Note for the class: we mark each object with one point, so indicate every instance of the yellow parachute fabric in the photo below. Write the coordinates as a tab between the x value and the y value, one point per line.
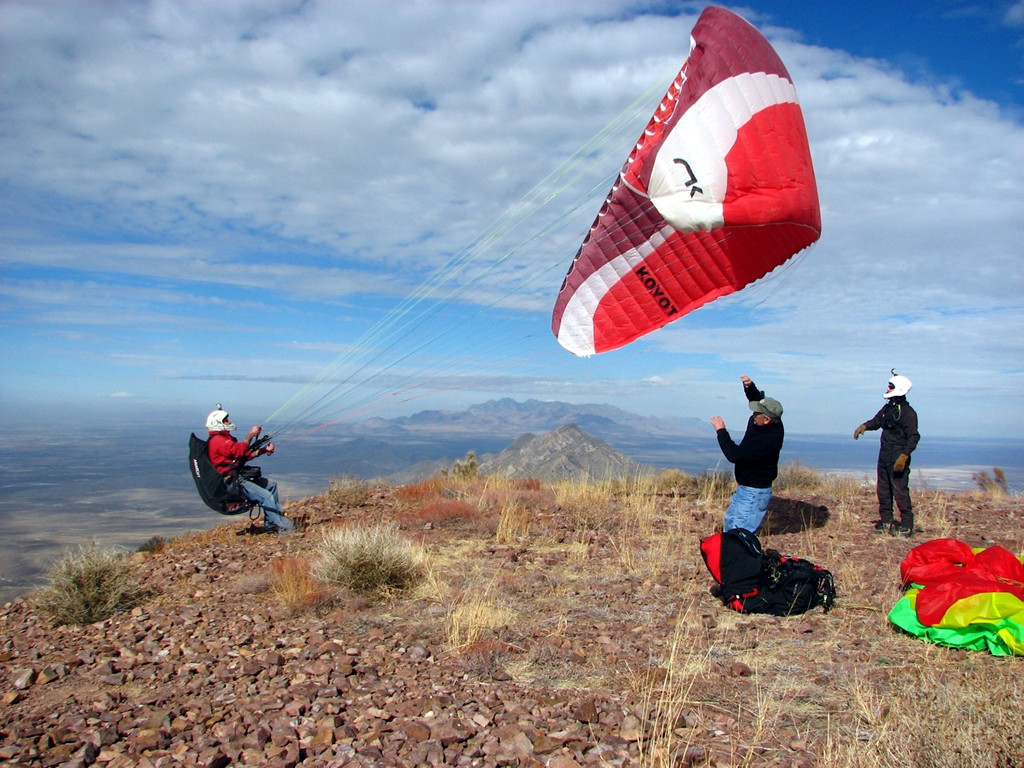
983	620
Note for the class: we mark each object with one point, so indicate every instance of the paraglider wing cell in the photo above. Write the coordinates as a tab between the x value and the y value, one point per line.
718	191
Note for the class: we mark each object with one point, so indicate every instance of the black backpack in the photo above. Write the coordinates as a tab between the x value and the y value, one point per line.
210	482
755	580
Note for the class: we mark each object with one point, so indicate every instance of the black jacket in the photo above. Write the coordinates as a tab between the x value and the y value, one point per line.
757	456
898	422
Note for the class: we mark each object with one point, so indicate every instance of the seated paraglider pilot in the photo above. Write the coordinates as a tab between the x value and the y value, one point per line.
229	457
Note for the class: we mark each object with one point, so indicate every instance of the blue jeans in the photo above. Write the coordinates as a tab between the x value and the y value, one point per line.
747	508
267	498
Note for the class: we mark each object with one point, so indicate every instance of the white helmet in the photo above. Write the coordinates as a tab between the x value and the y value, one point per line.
218	421
898	386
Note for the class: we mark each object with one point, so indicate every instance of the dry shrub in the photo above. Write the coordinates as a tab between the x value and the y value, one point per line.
154	545
495	497
493	500
421	490
494	490
293	584
529	484
506	484
994	484
672	481
536	500
347	491
373	560
463	469
794	476
462	486
443	511
90	586
586	505
487	658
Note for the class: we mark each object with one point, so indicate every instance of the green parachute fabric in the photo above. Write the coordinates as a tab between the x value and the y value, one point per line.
962	597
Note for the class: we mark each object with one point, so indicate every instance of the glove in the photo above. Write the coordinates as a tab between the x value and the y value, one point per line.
901	463
859	431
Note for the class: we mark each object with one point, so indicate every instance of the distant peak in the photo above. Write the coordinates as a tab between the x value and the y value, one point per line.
570	428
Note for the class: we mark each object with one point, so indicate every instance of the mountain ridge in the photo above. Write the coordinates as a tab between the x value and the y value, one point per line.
408	448
509	417
566	453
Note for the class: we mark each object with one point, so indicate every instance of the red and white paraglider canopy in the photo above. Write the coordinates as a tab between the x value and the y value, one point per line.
718	191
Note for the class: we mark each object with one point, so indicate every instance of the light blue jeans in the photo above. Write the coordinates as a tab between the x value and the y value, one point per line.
267	498
747	508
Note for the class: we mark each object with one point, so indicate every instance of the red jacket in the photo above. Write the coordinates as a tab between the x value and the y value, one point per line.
226	453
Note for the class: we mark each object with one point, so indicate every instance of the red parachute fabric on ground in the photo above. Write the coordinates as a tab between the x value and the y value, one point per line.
934	560
950	571
718	191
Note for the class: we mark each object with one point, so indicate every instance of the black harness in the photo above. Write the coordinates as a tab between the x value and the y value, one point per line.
219	492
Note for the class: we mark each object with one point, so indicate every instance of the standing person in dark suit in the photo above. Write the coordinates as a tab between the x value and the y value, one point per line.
898	422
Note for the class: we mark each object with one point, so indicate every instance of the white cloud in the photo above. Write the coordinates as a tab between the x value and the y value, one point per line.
1014	15
281	176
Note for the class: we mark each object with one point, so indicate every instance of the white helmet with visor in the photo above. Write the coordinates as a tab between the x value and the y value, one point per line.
898	386
218	421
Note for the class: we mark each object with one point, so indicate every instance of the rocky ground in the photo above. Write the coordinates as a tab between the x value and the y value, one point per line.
608	650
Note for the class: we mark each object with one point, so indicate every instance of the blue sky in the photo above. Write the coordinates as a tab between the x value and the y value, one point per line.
341	210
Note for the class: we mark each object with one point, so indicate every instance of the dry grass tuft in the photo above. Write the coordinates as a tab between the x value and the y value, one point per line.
513	524
973	719
994	484
797	476
430	487
672	482
495	496
442	511
90	586
932	511
638	501
587	505
666	693
373	560
472	621
293	585
529	484
347	491
714	488
222	534
154	545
